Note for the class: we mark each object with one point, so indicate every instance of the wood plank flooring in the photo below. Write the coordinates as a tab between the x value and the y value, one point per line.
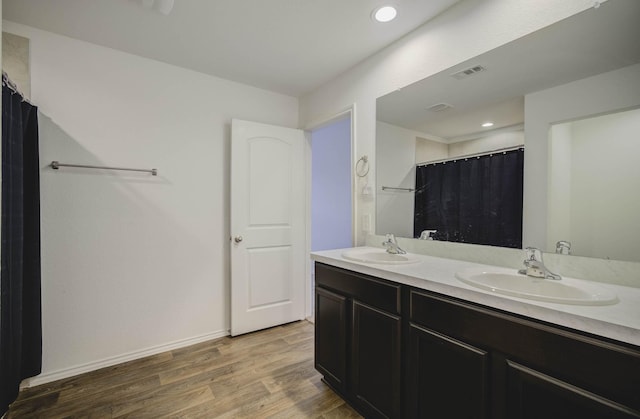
266	374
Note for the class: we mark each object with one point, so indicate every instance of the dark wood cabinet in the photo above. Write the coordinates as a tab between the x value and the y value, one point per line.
532	394
446	378
523	368
331	337
368	311
395	351
376	361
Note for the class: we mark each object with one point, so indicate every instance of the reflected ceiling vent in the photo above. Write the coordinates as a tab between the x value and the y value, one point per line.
439	107
471	71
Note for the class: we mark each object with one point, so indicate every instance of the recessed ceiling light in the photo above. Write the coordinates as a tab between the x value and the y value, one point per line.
487	124
385	14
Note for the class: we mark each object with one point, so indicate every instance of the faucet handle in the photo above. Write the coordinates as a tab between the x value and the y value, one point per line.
563	247
533	254
390	238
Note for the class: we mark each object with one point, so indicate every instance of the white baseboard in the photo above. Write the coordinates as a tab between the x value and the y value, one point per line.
48	377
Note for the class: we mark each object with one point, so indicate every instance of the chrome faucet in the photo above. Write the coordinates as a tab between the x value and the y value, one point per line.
391	244
563	247
535	267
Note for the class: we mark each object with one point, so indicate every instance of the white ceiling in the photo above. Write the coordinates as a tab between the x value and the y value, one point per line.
287	46
589	43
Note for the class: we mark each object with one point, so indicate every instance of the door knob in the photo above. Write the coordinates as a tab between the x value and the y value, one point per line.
238	239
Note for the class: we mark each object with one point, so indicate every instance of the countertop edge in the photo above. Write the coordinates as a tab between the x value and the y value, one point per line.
517	306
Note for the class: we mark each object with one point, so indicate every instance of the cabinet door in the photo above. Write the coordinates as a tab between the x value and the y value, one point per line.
331	337
597	366
376	363
532	394
446	378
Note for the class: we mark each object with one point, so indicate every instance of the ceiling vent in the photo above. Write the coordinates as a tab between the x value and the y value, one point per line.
439	107
471	71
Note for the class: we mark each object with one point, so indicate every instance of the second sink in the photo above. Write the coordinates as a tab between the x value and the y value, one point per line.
565	291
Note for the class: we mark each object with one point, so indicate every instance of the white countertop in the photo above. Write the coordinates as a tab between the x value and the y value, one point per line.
620	321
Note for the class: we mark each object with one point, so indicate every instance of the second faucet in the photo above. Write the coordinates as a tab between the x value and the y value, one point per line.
391	244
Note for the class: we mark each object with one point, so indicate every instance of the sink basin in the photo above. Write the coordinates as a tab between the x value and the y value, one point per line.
371	255
510	282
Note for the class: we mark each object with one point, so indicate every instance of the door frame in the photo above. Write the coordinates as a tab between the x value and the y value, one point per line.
349	111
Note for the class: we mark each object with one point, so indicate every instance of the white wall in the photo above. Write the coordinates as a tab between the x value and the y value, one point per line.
429	150
606	180
488	142
597	95
133	264
396	155
559	185
15	61
331	186
470	28
602	203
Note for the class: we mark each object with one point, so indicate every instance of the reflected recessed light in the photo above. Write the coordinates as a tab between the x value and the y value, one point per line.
385	14
487	124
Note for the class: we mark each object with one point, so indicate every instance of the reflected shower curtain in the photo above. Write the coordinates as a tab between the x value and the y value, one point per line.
20	304
476	200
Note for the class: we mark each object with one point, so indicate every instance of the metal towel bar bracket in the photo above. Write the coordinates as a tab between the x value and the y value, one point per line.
56	165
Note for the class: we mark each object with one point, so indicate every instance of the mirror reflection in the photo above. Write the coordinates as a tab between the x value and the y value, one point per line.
583	67
594	194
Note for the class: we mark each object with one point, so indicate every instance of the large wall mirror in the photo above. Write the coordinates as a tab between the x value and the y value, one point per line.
568	95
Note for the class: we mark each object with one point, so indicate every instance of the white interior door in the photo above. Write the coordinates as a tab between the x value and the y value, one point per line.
267	226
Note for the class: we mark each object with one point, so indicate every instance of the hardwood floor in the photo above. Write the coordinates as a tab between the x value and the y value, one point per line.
266	374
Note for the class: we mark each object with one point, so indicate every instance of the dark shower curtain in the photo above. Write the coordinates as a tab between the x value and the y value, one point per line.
476	200
20	309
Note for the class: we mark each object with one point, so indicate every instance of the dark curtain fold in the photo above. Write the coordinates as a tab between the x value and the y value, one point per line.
475	200
20	304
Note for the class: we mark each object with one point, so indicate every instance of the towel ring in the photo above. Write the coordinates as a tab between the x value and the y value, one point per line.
362	170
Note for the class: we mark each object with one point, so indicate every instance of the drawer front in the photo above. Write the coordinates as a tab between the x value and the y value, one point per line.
602	367
531	394
378	293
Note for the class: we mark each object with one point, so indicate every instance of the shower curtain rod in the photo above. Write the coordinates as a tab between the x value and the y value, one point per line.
56	165
470	156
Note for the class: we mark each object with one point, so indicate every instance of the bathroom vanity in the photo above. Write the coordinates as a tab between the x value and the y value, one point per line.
412	341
